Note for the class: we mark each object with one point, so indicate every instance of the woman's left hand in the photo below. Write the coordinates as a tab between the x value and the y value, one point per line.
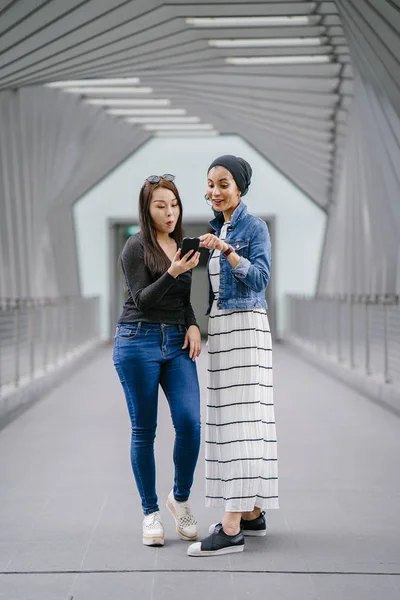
212	242
193	340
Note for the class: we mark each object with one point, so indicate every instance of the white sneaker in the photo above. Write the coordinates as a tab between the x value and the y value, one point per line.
153	530
184	520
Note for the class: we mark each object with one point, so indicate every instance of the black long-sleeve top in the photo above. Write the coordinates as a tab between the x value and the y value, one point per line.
163	300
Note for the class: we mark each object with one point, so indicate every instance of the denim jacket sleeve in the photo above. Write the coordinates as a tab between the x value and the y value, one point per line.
255	271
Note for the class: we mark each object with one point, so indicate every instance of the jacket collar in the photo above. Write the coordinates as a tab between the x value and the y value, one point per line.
239	212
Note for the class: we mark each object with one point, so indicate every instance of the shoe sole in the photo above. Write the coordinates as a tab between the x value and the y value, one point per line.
153	540
184	537
229	550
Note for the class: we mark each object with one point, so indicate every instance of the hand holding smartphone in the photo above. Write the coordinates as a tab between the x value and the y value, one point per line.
190	245
186	258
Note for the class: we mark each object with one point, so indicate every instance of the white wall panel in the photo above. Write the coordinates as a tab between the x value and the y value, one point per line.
52	150
362	249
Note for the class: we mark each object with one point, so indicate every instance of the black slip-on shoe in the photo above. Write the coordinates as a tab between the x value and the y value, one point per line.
256	527
217	543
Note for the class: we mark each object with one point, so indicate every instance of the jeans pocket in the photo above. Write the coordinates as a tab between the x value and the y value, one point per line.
129	331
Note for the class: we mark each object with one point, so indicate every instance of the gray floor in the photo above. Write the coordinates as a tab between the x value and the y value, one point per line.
70	521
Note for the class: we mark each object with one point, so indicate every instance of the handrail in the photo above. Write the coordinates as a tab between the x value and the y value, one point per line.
360	331
38	335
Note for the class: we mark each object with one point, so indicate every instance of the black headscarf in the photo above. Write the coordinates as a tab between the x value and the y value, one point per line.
239	168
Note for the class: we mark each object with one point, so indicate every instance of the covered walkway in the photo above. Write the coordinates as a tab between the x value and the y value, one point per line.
311	87
70	519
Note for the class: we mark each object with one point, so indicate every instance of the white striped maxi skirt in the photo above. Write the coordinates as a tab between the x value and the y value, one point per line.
240	446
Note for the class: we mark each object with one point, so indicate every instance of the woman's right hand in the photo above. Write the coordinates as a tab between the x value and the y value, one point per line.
186	263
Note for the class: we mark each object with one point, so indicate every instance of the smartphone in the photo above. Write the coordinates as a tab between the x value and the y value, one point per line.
189	244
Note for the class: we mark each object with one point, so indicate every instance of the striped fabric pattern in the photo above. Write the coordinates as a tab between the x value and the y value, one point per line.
241	445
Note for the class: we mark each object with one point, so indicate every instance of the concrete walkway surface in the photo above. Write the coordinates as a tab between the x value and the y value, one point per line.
70	519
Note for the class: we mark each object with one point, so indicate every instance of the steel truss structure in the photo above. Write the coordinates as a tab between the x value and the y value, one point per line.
313	86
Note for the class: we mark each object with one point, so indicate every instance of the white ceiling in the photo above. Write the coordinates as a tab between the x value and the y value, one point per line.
294	114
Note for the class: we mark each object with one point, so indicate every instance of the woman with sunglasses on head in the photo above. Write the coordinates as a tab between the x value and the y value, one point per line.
156	343
241	455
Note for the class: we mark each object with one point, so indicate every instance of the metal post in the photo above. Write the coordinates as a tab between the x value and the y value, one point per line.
57	317
31	312
54	333
386	367
367	339
63	312
17	342
339	331
66	327
327	325
44	333
351	328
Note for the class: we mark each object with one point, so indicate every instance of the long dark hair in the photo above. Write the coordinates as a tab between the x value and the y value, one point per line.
155	258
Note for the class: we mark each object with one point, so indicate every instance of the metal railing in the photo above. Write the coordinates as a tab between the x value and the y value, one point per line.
361	332
38	335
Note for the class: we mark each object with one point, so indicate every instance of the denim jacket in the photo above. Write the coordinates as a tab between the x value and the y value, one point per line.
244	286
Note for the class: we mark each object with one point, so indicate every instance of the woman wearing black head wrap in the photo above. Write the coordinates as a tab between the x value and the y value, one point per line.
241	453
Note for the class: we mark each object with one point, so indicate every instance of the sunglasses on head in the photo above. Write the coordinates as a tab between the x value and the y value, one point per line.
157	178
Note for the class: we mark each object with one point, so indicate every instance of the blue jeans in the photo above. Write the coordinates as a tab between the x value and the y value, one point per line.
147	355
